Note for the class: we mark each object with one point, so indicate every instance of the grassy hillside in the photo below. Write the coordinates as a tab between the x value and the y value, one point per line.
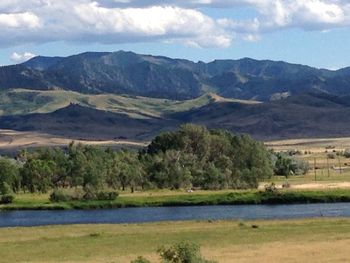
311	114
20	102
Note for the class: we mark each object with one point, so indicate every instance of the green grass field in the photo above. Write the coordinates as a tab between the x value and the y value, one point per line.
177	198
312	240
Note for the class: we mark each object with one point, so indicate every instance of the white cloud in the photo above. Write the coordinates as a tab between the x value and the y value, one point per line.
21	57
183	21
87	21
171	23
20	20
307	14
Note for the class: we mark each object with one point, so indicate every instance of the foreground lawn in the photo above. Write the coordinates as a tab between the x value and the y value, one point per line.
312	240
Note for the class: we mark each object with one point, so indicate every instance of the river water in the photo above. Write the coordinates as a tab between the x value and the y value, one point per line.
156	214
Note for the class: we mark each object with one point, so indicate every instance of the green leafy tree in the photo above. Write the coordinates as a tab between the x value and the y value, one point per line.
10	179
286	165
209	159
127	170
37	175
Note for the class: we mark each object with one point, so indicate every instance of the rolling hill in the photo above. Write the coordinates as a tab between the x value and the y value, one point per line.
311	114
78	122
22	102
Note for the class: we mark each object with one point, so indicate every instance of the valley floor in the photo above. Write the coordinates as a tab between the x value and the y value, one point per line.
310	240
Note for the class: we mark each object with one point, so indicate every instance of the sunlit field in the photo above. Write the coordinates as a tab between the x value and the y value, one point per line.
328	168
316	240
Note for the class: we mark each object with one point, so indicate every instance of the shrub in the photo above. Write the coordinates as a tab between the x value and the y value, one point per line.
347	153
90	193
6	199
101	196
60	196
94	235
270	188
299	167
107	196
5	188
289	165
77	194
331	156
141	260
182	253
294	152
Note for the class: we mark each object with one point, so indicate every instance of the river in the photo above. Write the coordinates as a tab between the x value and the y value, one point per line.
156	214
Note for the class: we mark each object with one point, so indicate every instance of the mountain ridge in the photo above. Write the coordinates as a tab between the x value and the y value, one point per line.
108	95
177	79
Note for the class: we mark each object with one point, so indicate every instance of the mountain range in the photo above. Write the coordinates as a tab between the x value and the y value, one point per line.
178	79
125	95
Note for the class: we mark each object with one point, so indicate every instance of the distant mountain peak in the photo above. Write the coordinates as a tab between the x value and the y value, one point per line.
42	63
125	72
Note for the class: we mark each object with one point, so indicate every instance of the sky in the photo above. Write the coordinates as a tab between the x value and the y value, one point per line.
311	32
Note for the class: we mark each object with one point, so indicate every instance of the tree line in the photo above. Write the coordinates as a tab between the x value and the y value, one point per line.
191	157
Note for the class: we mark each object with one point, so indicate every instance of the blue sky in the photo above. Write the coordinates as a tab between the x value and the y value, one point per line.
312	32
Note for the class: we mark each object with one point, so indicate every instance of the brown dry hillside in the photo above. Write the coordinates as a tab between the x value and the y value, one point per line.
311	114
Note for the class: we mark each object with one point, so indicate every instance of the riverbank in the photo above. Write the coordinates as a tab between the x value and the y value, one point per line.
309	240
151	199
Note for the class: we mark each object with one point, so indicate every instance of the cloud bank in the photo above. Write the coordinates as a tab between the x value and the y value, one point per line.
180	21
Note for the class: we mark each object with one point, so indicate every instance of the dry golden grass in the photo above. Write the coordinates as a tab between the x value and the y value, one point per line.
311	240
300	251
316	151
315	145
10	139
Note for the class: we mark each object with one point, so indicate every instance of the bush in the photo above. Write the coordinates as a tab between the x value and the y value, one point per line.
60	196
289	165
6	199
107	196
101	196
182	253
299	167
5	188
294	152
141	260
331	156
270	188
347	153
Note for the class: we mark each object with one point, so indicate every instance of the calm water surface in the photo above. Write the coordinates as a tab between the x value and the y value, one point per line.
156	214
